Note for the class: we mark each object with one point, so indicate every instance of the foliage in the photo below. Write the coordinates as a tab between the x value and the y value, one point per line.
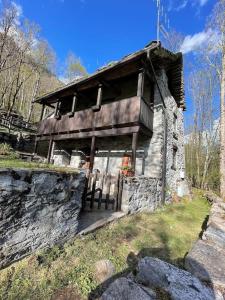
26	63
168	234
7	151
12	161
74	68
195	167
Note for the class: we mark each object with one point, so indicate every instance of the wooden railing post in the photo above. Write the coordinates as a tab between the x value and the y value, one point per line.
49	150
134	149
99	98
92	155
74	104
42	112
140	88
35	146
57	109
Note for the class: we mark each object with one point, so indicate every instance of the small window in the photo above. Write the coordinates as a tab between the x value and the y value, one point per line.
174	122
174	165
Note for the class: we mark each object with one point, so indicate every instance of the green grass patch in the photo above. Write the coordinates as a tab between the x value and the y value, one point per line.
8	162
169	233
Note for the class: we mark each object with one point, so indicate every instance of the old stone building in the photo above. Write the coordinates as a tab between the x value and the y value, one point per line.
126	116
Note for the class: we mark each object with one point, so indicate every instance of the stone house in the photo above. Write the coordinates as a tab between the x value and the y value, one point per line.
129	115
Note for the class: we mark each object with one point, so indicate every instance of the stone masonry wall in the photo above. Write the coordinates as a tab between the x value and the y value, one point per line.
175	137
141	193
38	208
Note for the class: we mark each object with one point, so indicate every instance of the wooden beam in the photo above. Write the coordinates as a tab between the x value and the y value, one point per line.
92	155
99	98
49	150
74	104
35	146
140	88
57	109
42	112
88	134
134	148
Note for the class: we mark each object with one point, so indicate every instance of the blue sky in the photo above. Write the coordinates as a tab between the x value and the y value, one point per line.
99	31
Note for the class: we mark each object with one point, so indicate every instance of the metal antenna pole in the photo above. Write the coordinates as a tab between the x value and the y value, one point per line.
158	18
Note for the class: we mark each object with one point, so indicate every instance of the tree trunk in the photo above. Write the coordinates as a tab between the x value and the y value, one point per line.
222	129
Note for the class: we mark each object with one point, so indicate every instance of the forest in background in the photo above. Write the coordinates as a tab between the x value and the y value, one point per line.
205	84
28	64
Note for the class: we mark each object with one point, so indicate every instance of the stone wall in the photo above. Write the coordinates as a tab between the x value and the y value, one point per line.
206	260
174	136
141	193
38	208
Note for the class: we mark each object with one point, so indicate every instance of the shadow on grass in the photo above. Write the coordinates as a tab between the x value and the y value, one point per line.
163	253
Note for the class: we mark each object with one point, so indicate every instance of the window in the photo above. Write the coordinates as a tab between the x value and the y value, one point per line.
174	165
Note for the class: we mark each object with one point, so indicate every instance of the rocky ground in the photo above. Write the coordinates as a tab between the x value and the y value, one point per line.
205	264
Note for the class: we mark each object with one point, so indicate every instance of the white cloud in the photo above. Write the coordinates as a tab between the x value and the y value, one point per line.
203	2
178	5
182	5
194	42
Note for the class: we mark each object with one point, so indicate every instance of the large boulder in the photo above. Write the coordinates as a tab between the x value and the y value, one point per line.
207	262
180	284
38	209
126	289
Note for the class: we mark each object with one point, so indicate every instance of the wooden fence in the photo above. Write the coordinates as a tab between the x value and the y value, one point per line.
103	191
16	123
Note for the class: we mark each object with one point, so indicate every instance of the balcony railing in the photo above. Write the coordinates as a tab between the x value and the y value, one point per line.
124	113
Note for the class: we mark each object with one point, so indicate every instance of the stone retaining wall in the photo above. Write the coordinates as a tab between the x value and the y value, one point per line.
206	260
141	193
38	208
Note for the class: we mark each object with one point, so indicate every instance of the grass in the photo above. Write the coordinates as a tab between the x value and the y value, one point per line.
8	162
169	233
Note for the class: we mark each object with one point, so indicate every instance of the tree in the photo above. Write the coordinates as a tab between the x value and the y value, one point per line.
27	64
172	39
203	138
215	56
74	68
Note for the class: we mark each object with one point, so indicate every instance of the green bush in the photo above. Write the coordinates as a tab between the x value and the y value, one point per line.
5	149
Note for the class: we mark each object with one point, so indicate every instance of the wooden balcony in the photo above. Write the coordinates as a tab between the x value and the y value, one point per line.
116	116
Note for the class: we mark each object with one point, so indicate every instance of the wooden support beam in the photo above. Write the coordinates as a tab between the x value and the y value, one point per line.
57	110
49	150
35	146
42	112
92	155
140	88
99	98
74	104
134	149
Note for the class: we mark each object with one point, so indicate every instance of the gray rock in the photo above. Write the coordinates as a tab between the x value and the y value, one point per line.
141	194
126	289
207	262
38	209
215	232
179	284
104	269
